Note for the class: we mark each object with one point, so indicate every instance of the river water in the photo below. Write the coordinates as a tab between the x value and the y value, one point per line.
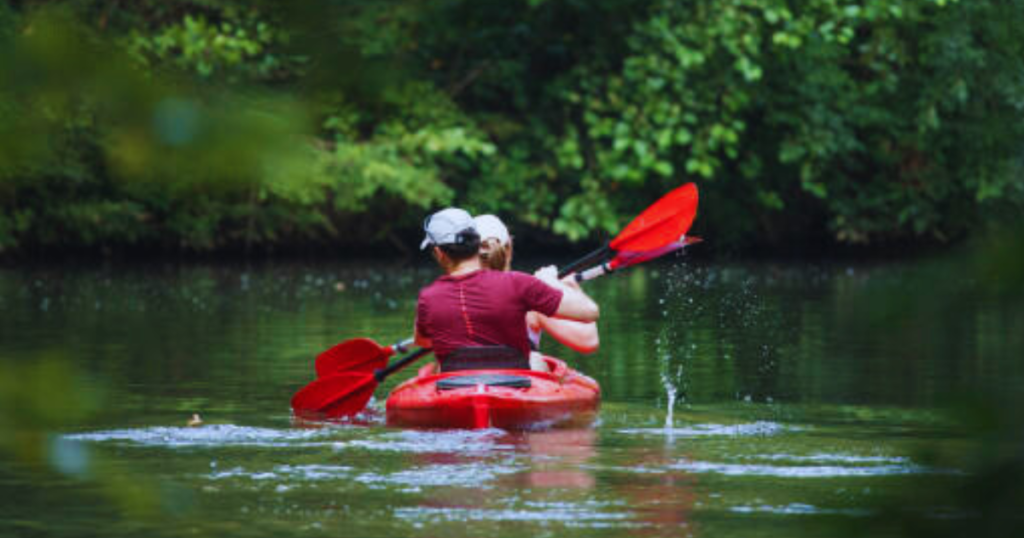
738	400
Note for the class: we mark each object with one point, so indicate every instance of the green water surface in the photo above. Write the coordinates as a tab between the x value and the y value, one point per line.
806	400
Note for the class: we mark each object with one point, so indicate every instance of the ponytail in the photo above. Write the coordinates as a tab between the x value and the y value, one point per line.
494	255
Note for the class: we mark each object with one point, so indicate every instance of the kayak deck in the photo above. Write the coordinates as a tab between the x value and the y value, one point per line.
510	399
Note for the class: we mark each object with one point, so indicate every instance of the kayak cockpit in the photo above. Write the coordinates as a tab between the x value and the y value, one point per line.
511	399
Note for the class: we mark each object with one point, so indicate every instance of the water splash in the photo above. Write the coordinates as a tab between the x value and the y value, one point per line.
678	309
670	391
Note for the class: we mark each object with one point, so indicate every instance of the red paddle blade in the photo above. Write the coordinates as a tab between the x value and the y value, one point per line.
335	396
355	355
628	258
663	223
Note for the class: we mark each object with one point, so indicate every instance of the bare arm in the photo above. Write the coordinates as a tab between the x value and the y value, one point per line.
575	304
579	335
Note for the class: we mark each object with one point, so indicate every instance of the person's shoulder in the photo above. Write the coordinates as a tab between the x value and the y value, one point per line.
433	288
519	275
493	275
502	280
525	281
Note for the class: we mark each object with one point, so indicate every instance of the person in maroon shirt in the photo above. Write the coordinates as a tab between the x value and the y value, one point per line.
473	306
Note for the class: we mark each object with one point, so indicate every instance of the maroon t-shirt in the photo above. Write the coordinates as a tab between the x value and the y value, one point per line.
482	308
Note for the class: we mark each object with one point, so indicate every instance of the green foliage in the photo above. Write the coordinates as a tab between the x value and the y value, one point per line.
240	47
204	125
839	107
157	160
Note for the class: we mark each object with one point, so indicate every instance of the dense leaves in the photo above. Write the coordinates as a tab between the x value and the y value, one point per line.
202	125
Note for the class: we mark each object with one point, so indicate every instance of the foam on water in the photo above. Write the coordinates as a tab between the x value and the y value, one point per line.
761	428
796	471
469	475
307	473
827	458
575	515
798	509
210	436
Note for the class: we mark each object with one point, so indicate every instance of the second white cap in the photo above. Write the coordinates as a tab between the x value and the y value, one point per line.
489	226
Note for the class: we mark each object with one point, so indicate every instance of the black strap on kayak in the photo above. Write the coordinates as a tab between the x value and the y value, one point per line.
491	380
485	358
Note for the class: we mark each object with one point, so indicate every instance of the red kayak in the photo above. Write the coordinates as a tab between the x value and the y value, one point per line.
510	399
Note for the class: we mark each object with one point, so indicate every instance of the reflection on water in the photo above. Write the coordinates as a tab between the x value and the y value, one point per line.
731	394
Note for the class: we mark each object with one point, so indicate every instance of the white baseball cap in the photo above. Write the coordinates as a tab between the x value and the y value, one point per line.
443	227
490	226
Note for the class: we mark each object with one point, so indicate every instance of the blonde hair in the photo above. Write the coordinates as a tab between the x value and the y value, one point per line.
494	255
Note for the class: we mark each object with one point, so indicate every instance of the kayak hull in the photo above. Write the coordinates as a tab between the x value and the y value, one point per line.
559	399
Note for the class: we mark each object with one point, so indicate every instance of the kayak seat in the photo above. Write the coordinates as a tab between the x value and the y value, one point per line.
491	380
485	358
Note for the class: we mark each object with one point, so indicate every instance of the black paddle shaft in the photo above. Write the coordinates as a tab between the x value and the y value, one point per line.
586	261
382	373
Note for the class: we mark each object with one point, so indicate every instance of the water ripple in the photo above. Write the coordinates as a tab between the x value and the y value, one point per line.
798	509
827	458
209	436
470	475
574	516
287	472
760	428
802	471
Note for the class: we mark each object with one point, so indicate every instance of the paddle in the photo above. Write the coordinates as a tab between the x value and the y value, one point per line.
628	258
346	393
663	225
359	355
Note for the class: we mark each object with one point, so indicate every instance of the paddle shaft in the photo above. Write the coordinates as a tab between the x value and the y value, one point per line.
593	272
402	347
585	261
383	373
